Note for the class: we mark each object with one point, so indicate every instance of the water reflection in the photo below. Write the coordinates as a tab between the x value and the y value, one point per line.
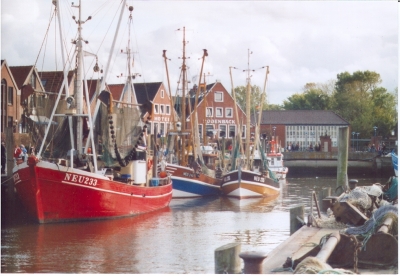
178	239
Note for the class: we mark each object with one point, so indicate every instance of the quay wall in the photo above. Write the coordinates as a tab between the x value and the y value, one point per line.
325	164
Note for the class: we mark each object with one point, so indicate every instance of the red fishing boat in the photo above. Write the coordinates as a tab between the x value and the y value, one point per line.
65	180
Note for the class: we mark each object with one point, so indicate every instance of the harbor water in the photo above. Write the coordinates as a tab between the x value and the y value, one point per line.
179	239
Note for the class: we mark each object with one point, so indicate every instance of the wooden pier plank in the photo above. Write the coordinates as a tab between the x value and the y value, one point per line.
297	245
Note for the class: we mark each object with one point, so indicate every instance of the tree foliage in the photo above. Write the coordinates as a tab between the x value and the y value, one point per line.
255	98
356	97
360	101
312	98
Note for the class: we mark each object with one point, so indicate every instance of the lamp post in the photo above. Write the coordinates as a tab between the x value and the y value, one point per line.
375	128
353	139
357	140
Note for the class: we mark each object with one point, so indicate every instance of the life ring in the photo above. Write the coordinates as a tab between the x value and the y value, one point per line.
149	164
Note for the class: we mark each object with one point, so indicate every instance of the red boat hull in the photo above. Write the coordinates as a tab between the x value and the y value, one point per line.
53	193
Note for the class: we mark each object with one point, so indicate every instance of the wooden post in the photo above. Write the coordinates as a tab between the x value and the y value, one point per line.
295	213
227	259
343	152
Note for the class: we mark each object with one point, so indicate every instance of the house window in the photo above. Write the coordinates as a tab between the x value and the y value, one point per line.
155	128
162	93
156	109
232	131
209	130
161	109
222	128
10	98
229	112
201	131
218	97
167	110
10	121
218	112
243	131
209	112
162	130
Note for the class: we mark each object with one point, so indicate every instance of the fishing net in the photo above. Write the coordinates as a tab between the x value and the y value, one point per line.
37	118
376	220
357	197
119	133
392	193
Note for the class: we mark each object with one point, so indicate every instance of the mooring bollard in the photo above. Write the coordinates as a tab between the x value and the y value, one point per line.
296	218
227	259
252	261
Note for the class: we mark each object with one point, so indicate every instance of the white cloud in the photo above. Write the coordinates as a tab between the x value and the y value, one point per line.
301	41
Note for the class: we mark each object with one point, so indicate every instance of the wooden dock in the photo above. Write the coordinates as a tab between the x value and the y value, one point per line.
300	243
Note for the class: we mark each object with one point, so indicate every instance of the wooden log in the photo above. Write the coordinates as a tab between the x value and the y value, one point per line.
252	262
328	247
317	205
296	211
227	259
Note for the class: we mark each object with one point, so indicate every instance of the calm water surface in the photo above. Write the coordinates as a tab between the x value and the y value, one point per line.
178	239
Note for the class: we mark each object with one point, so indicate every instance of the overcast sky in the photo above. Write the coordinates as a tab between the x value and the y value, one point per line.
301	42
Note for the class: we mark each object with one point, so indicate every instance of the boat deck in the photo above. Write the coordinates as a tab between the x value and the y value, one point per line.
301	242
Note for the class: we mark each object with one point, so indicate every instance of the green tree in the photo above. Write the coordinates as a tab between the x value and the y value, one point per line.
255	98
312	98
360	101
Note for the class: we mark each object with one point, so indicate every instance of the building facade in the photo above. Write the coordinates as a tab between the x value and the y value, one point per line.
302	128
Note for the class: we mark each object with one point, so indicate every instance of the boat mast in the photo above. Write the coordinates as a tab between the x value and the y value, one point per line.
248	103
183	156
79	80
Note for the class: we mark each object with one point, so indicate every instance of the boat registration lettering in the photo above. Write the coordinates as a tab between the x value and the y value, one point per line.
80	179
188	174
259	179
227	178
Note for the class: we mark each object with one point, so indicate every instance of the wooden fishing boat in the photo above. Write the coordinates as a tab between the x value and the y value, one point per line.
249	175
80	174
189	178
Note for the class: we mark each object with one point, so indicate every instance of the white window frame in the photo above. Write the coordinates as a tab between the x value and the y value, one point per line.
227	113
161	109
219	109
211	111
216	96
234	126
243	131
167	109
212	125
156	111
162	93
219	127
